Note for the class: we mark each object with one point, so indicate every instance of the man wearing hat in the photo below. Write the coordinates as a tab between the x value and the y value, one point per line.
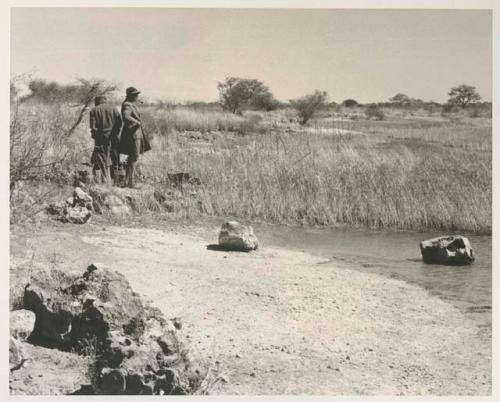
105	126
132	142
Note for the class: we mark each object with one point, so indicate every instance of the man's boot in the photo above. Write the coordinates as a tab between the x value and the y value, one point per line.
130	174
114	175
105	175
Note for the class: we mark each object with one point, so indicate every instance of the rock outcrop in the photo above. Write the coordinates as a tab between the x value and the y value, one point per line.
98	314
120	201
447	250
81	199
124	201
76	214
76	209
115	205
235	236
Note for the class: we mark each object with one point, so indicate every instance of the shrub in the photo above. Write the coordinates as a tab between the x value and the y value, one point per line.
449	108
80	95
251	124
51	92
239	94
400	100
431	107
38	148
474	112
374	112
349	103
308	105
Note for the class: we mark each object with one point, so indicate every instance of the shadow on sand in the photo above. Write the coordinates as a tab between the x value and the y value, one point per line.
218	247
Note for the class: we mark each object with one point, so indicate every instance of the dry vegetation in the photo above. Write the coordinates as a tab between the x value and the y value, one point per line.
414	172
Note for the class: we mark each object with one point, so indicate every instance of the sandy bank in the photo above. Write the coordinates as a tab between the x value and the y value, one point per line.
282	322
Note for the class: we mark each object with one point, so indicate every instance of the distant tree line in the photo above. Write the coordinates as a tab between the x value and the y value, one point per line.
239	94
53	92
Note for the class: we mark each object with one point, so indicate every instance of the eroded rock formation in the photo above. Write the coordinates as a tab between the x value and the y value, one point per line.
135	349
76	209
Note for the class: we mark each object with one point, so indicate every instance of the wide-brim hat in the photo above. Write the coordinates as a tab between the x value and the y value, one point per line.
132	91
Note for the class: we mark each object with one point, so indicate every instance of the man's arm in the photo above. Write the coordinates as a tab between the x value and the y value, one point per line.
118	123
127	116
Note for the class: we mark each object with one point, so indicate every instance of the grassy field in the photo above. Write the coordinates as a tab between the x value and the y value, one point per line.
406	172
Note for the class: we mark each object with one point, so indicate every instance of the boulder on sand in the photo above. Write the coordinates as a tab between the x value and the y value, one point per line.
447	250
17	353
22	323
235	236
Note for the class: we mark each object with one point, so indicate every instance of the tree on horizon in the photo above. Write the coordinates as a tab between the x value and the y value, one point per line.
463	95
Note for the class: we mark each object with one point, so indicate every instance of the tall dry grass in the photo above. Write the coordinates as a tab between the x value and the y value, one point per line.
183	119
408	174
40	146
413	176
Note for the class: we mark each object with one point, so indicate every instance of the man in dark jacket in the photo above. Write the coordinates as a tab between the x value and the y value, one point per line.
132	141
105	126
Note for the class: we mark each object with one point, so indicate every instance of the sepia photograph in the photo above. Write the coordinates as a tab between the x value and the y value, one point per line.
211	201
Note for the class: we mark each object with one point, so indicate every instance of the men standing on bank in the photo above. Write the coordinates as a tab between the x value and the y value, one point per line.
133	141
105	126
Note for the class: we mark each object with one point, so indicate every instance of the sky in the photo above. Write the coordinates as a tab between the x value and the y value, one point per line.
181	54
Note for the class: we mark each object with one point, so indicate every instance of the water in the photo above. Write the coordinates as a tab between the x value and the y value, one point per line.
396	255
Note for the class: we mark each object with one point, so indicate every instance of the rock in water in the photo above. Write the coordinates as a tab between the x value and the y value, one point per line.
235	236
447	250
22	323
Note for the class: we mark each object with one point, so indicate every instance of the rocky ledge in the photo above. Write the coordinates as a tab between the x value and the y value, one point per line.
130	347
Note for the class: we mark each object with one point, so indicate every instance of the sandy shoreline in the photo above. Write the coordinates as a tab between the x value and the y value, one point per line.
277	321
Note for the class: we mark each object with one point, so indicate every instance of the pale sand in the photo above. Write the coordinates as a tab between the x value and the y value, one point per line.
276	321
